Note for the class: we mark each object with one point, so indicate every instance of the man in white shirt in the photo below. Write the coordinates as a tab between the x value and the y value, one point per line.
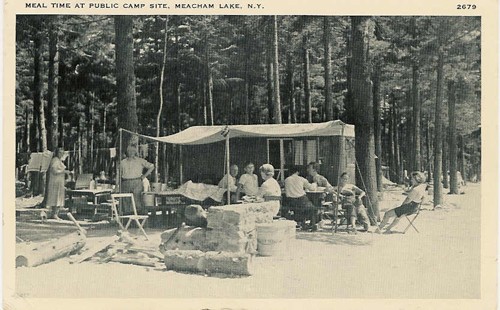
297	201
231	179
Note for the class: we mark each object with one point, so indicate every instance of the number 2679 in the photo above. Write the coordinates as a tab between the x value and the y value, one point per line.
466	6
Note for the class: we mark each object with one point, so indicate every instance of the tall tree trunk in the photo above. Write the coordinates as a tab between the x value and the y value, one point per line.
462	158
158	116
438	132
390	141
270	85
452	138
408	135
38	106
246	97
211	97
177	94
205	90
90	133
428	150
307	83
26	134
395	137
377	126
328	68
416	104
53	81
349	105
289	87
276	75
209	83
445	166
364	132
417	110
125	75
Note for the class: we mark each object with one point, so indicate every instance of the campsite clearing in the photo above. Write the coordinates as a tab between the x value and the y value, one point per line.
443	261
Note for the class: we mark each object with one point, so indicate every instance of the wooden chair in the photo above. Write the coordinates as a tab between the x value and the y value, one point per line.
415	215
140	220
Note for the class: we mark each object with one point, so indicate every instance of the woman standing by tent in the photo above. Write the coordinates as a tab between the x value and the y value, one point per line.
55	191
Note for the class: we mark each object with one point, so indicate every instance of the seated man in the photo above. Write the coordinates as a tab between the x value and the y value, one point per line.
351	201
297	200
409	205
229	180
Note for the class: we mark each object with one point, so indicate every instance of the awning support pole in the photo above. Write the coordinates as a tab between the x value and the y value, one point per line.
339	172
118	174
181	168
227	170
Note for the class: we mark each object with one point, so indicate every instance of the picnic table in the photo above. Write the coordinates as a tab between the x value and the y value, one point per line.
170	204
94	198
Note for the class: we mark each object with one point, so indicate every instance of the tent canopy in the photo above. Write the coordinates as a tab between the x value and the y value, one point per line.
210	134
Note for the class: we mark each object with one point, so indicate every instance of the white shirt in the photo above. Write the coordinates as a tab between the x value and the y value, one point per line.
232	183
295	186
270	187
417	193
249	184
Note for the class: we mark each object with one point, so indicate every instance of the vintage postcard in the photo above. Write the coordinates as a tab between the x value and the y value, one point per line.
233	154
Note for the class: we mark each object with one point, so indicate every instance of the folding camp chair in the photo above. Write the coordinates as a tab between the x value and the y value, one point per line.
140	220
415	215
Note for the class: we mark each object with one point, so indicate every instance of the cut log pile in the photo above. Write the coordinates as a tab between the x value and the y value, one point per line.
225	246
209	262
35	254
129	250
229	229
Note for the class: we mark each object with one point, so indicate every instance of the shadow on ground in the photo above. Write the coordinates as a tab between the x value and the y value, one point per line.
339	238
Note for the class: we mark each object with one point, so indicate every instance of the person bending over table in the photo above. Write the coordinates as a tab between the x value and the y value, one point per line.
131	171
351	201
409	205
248	182
315	177
231	179
270	188
297	201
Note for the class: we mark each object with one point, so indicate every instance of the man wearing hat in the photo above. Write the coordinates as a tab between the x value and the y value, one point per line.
132	174
410	205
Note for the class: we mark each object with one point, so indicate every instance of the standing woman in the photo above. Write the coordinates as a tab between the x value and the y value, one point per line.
56	192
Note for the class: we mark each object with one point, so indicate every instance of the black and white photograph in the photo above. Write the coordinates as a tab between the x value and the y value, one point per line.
248	156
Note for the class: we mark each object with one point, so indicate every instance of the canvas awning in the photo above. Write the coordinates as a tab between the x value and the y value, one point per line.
210	134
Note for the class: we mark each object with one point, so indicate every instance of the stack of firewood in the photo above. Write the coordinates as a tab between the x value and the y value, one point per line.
225	246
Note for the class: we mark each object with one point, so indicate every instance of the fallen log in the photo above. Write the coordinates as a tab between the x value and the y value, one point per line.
32	255
147	251
184	260
133	259
94	249
208	262
228	263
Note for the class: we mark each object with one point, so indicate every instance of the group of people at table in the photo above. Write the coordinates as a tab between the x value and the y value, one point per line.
134	170
296	188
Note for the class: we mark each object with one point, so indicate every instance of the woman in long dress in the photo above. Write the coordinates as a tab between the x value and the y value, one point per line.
55	184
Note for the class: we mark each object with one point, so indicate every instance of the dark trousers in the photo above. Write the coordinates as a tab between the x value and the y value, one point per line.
303	209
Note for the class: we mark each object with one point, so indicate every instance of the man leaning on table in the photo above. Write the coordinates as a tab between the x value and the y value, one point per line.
297	201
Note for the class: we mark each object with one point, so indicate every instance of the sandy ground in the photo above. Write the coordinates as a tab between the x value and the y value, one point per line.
442	261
